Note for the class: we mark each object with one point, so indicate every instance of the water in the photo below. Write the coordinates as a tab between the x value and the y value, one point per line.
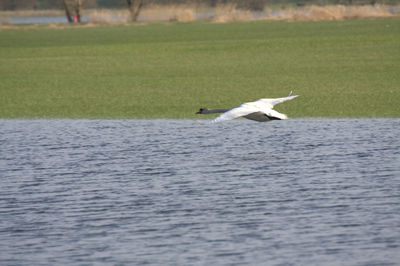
199	15
38	19
184	192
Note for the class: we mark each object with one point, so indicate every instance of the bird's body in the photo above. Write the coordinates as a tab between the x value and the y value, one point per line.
260	110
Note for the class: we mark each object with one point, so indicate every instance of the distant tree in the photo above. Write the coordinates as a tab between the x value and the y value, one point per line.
111	3
49	4
134	8
67	11
256	5
78	7
18	4
73	10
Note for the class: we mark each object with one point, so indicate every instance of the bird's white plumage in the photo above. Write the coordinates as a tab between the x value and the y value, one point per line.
259	108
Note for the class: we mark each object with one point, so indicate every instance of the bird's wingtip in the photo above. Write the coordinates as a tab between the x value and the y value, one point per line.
291	93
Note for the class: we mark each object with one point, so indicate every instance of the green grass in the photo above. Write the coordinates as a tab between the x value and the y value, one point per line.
168	70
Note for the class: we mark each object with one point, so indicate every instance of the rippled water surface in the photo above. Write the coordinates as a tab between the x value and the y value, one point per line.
185	192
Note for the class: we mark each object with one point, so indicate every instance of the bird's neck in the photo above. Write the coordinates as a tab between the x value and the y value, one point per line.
212	111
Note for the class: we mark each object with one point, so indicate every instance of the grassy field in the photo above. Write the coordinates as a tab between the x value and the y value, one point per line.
168	70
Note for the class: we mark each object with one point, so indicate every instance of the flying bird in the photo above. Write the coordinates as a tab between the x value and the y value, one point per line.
260	110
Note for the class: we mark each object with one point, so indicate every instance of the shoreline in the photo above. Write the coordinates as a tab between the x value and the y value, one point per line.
219	14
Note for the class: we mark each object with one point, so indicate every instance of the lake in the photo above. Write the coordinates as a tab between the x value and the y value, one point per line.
187	192
157	14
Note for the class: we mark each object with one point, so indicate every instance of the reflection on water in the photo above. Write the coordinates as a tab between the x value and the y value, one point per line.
181	192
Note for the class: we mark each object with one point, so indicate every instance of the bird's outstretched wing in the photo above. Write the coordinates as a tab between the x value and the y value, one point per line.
241	110
274	101
281	100
264	106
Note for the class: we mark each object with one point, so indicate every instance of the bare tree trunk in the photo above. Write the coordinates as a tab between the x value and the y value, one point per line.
134	8
67	11
78	7
73	10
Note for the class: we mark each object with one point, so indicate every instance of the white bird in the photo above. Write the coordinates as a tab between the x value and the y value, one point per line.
260	110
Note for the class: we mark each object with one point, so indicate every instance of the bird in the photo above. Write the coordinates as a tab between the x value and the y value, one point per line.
260	110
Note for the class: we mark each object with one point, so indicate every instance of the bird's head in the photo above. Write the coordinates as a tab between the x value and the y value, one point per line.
202	110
